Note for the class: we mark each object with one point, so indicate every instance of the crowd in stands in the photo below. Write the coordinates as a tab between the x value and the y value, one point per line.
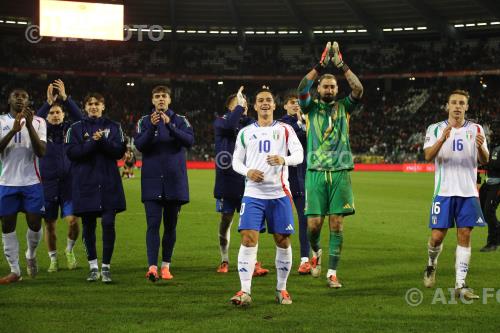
390	122
256	58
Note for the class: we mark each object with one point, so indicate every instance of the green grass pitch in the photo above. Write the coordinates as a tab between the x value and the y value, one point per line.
384	255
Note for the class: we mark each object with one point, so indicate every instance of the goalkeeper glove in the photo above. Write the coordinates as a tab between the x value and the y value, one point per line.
337	58
325	59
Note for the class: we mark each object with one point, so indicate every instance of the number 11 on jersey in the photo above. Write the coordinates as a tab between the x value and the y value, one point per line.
17	137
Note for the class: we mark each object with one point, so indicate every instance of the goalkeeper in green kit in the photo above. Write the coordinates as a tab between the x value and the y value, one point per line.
329	158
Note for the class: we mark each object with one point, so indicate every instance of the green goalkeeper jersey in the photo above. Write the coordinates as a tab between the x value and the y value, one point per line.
328	147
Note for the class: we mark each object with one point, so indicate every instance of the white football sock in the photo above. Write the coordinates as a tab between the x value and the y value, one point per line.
53	255
331	272
283	266
304	259
433	252
165	264
11	250
462	260
93	264
70	244
224	249
247	256
33	239
108	266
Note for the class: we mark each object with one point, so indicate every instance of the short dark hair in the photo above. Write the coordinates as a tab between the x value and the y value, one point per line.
290	96
266	90
57	104
326	76
459	92
99	97
19	89
229	99
163	89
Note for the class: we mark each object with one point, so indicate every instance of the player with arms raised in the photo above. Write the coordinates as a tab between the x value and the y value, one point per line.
329	158
456	145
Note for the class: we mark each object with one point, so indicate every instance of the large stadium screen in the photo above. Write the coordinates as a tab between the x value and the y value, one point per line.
81	20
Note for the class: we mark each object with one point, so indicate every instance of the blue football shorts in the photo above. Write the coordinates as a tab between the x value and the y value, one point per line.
462	212
278	213
15	199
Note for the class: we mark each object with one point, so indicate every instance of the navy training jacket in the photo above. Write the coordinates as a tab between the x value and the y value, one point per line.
96	185
55	167
228	183
163	147
297	174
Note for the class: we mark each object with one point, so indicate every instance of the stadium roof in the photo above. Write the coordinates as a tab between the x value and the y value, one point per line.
301	15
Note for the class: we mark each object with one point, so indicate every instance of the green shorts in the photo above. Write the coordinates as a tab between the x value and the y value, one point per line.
329	193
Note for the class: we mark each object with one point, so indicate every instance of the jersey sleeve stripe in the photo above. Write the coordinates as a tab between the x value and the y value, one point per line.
36	170
139	123
283	186
68	135
122	136
242	139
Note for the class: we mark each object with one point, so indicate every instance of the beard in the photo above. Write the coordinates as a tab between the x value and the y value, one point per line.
328	98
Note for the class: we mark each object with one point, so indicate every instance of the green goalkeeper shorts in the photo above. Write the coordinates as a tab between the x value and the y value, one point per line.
329	193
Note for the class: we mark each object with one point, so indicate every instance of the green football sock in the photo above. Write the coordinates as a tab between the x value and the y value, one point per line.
336	239
314	239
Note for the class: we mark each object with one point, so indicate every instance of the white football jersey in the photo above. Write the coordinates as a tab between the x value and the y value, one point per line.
456	162
254	144
19	162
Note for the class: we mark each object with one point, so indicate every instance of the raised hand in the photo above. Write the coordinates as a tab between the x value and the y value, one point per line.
19	122
97	135
241	99
325	56
446	133
28	116
165	118
51	98
337	56
479	140
155	118
59	85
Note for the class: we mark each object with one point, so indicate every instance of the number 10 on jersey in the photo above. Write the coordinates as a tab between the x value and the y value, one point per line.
264	146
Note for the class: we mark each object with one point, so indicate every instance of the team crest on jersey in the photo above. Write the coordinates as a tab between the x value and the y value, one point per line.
468	135
6	128
86	135
276	135
106	132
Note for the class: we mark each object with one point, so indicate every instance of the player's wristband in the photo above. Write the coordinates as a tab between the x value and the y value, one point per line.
319	68
344	67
